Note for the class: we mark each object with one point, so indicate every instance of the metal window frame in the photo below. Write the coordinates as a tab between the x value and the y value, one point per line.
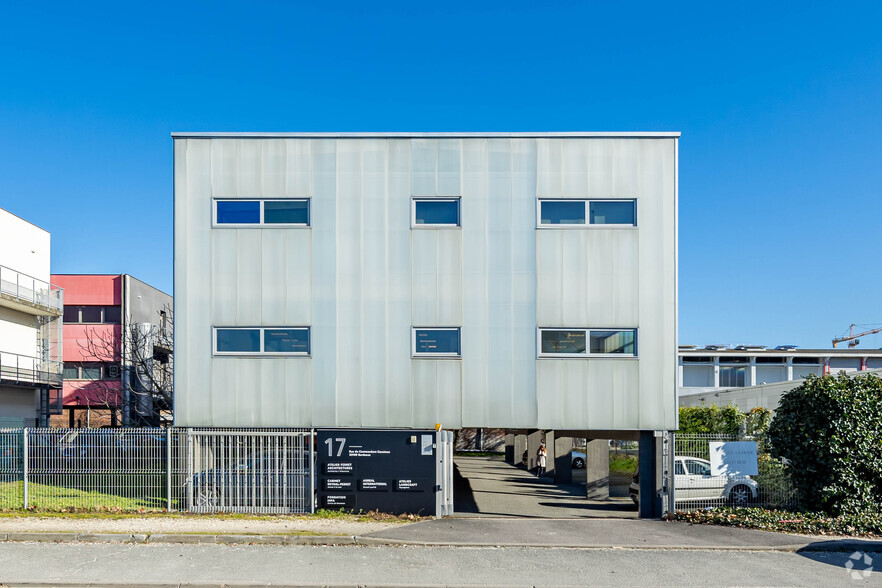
588	330
438	354
261	352
587	224
262	224
455	199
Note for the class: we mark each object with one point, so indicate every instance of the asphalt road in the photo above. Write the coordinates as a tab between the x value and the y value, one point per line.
121	564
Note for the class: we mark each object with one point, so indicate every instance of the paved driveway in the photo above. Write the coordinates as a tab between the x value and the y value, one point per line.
489	487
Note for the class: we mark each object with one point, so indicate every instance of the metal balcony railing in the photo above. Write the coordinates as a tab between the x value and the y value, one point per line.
24	370
26	289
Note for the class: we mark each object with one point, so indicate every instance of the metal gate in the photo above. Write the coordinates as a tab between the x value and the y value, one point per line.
247	471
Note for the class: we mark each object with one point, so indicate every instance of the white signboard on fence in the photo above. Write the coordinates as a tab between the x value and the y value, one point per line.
733	458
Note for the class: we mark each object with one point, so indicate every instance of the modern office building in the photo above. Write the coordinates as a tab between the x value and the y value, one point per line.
117	352
489	280
754	375
30	326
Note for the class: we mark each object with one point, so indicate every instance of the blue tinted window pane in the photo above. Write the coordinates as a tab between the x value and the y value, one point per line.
286	212
238	340
563	342
613	342
436	213
437	341
238	212
286	340
612	213
563	213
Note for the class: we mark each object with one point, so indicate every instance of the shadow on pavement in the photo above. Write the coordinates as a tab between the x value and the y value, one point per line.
860	559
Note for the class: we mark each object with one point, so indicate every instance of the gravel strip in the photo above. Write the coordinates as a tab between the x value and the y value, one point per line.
150	525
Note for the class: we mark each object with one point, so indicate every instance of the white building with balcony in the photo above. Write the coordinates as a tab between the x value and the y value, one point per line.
30	326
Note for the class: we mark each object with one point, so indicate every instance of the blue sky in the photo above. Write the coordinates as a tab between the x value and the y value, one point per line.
780	106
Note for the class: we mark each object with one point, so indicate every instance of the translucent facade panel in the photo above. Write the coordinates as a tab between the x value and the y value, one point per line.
847	364
286	212
560	212
613	213
624	342
768	374
238	212
695	376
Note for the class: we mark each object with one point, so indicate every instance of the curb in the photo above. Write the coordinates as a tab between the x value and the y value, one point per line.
867	546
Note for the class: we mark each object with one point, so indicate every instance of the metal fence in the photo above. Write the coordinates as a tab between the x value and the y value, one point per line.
266	471
696	487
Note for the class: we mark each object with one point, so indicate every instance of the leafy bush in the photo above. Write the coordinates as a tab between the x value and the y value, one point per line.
811	523
711	419
830	429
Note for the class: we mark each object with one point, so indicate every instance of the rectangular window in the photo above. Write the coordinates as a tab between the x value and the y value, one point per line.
90	371
71	371
436	342
737	359
732	377
71	314
580	213
586	342
770	360
562	212
261	341
618	342
112	314
613	212
435	212
286	212
286	341
697	359
90	314
806	360
276	211
564	342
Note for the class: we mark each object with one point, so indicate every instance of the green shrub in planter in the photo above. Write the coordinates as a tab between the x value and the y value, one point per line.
830	428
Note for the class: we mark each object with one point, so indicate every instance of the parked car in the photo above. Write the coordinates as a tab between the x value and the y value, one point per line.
693	481
578	459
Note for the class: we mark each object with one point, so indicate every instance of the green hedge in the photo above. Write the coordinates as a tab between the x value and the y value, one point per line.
830	430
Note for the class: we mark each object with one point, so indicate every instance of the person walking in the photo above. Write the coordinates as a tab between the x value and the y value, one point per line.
541	456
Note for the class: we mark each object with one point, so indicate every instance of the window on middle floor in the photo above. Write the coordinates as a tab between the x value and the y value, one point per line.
435	212
92	314
564	342
578	212
261	341
436	341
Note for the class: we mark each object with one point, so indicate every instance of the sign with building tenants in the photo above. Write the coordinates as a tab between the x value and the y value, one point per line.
733	458
392	471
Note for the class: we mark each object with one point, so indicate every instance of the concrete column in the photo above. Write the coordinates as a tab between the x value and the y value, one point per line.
549	459
534	440
520	446
597	469
509	448
650	470
563	461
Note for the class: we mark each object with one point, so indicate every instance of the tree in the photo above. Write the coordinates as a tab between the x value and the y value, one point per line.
143	351
711	419
830	430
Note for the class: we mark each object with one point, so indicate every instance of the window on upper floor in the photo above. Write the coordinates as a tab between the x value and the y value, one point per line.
562	342
436	342
90	370
287	212
579	213
92	314
732	377
261	340
435	212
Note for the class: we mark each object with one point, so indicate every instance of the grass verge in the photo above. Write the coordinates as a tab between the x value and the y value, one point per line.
782	521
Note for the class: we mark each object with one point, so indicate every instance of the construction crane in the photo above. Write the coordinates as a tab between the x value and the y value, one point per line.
853	339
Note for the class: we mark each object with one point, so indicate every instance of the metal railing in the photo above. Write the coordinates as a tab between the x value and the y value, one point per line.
30	290
25	369
175	469
695	486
